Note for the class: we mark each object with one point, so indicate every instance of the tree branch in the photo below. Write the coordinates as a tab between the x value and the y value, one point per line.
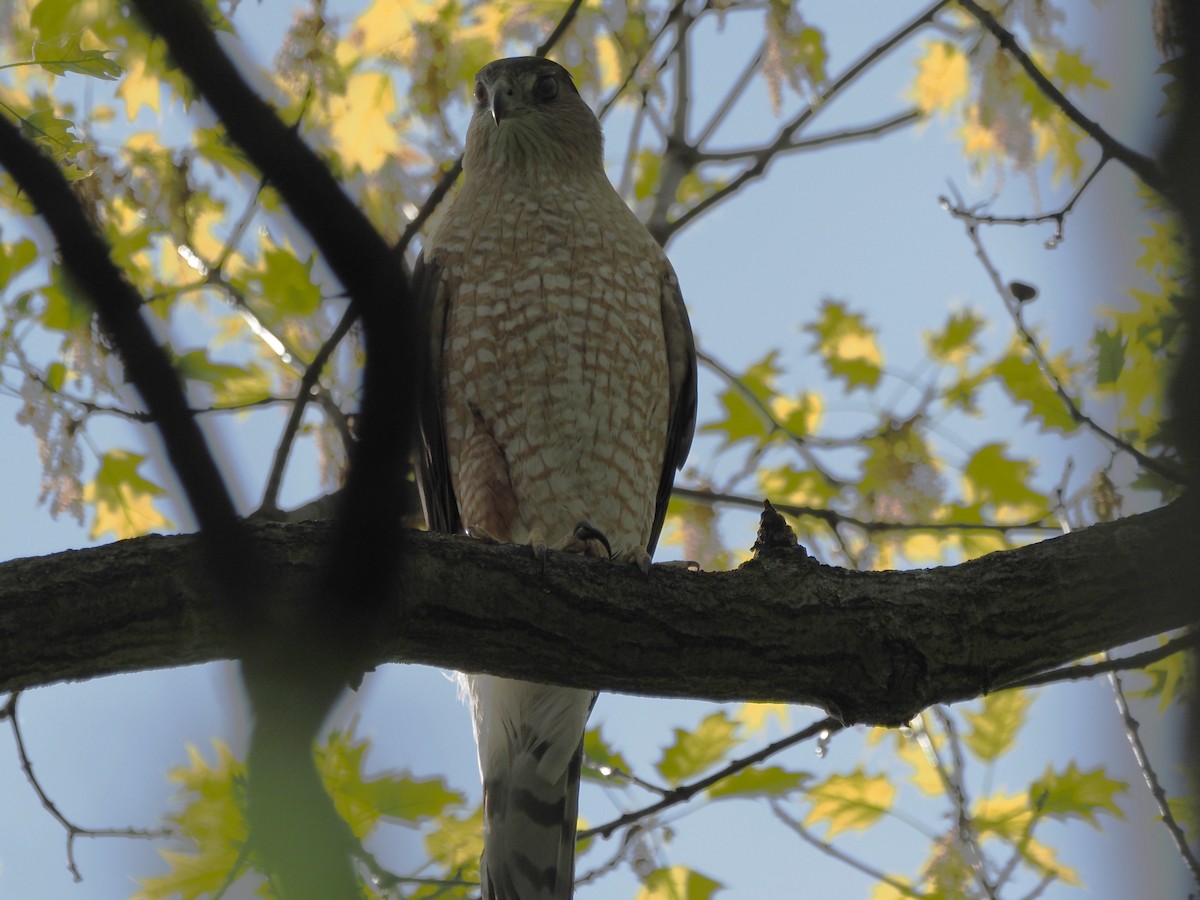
857	133
9	712
784	139
821	729
1131	726
870	646
1142	166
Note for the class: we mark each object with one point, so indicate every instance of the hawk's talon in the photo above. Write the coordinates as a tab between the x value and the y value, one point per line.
585	532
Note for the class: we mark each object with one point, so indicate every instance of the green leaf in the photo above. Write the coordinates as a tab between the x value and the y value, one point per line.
847	345
456	843
286	283
67	309
771	781
990	476
678	883
1070	70
851	802
1072	794
211	820
695	751
64	54
649	171
955	343
1025	383
1166	677
232	385
600	756
994	728
1110	355
744	419
15	258
56	375
363	802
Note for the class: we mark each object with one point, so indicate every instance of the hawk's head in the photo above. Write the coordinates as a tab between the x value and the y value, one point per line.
528	113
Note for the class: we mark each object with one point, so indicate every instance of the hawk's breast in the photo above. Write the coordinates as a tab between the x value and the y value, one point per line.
555	377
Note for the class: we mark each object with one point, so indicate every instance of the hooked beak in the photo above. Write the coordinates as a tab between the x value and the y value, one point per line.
502	93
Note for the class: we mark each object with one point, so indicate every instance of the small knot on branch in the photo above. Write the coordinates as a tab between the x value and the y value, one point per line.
774	533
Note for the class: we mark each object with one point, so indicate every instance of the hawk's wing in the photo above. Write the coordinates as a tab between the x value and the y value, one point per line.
433	461
681	369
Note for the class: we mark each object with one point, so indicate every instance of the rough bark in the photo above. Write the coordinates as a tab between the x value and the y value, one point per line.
869	646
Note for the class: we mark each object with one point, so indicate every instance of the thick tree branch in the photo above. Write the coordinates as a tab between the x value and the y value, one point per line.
869	646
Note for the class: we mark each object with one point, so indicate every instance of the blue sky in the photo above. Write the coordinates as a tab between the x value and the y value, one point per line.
858	222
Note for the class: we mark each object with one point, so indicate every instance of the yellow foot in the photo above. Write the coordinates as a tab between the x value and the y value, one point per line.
638	556
587	540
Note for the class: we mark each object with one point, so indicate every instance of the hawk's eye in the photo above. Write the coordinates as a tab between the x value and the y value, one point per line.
480	92
546	88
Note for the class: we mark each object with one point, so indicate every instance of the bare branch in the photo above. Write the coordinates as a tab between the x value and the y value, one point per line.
954	787
683	793
848	135
733	96
840	855
1110	664
833	518
270	502
784	138
9	712
1058	216
1161	467
560	29
1145	168
1172	825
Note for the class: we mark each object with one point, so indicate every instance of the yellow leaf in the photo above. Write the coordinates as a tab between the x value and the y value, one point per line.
851	802
925	547
361	131
138	89
387	26
942	78
123	499
925	777
203	242
677	883
1003	815
1044	859
755	716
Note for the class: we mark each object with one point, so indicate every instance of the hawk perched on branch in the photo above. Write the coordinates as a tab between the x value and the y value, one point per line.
559	401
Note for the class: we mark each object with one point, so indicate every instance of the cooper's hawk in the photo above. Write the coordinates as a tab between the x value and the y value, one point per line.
560	400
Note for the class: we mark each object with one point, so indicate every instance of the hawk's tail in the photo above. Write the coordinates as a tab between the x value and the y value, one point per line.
529	830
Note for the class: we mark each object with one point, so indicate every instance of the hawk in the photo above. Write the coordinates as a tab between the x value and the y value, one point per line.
559	401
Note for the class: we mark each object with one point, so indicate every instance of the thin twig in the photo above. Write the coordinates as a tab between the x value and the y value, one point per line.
9	712
672	14
560	29
833	518
1145	168
954	788
784	138
875	129
1118	664
1151	777
1058	216
1160	467
685	792
308	382
840	855
734	94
